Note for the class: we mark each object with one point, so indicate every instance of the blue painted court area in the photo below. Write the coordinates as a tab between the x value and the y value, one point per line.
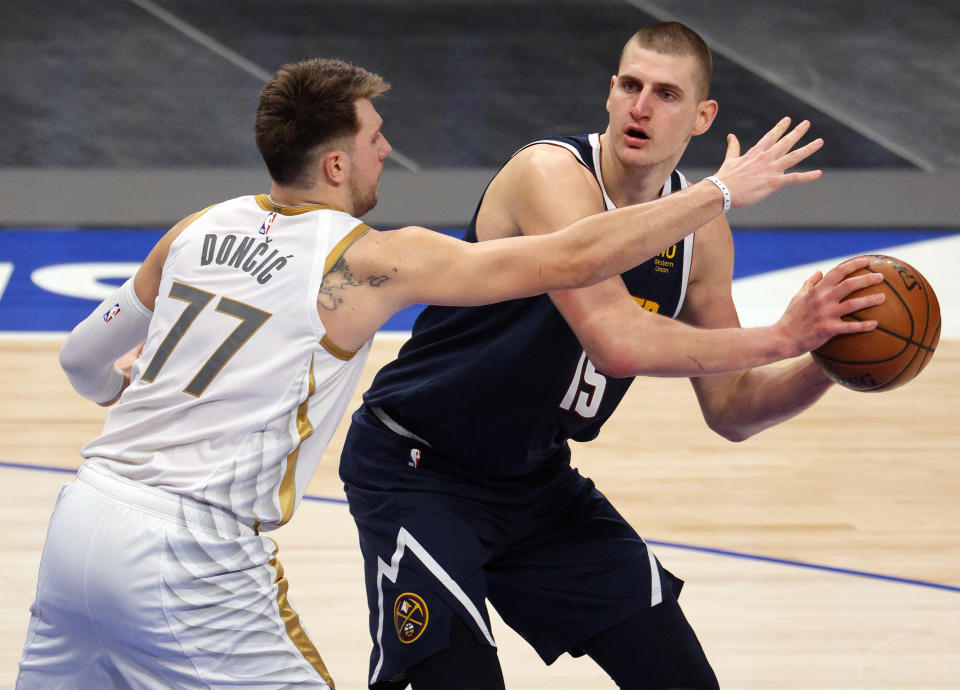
51	279
761	251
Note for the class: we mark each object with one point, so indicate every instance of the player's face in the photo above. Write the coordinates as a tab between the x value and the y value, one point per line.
655	107
370	150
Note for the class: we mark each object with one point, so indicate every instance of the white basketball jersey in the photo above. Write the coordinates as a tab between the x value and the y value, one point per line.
238	390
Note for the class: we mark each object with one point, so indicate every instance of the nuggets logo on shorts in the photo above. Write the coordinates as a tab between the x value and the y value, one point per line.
409	617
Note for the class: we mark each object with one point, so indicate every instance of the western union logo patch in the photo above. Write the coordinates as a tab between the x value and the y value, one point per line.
410	616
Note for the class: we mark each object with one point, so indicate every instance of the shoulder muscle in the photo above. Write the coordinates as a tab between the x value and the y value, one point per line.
146	282
542	189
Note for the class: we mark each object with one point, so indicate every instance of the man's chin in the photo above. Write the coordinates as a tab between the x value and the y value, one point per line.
631	155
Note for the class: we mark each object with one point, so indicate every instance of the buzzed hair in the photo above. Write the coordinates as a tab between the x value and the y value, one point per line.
674	38
305	108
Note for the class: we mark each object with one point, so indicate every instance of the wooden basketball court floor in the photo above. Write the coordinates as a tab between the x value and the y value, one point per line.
824	553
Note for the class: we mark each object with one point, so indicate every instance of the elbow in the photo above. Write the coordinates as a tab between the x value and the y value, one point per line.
70	362
616	355
735	433
612	361
617	369
98	384
73	367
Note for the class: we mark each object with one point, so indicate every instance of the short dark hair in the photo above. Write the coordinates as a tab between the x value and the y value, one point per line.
674	38
305	107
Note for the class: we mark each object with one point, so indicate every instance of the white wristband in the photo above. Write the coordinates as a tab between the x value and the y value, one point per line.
723	188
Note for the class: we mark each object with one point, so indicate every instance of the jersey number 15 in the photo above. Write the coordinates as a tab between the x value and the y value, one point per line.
586	390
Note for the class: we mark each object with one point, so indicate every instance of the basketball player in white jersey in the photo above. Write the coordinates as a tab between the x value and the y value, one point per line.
257	316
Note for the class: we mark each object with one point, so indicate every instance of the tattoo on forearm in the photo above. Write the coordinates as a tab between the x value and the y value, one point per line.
339	279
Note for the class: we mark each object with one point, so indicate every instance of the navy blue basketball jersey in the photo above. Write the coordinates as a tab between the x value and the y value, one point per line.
500	389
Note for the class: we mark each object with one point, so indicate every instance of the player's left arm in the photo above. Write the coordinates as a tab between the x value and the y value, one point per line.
739	404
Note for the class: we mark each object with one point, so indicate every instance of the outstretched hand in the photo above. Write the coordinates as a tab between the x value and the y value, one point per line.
815	314
761	171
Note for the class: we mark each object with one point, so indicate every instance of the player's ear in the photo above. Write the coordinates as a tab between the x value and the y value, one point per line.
333	166
705	116
613	81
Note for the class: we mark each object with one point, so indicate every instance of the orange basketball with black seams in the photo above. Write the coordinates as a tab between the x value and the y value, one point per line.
900	346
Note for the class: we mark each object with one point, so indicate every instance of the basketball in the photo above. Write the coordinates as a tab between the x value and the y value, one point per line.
903	342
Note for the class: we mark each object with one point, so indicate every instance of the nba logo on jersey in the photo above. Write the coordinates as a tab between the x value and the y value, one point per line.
414	458
265	227
111	312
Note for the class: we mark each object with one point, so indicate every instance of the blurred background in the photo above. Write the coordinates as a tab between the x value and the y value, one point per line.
136	112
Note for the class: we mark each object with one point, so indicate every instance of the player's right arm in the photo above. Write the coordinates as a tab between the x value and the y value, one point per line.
622	339
384	272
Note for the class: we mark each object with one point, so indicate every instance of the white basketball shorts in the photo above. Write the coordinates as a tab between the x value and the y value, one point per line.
140	588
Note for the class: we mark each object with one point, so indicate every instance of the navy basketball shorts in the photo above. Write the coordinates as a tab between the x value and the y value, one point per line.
554	557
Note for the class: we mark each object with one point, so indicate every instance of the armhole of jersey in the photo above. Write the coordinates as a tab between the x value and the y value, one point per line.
340	353
343	245
687	249
331	259
685	276
597	151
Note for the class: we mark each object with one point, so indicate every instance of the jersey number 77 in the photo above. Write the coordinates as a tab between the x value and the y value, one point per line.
251	319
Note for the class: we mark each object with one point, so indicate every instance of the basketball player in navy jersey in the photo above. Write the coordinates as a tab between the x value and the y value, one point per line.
457	466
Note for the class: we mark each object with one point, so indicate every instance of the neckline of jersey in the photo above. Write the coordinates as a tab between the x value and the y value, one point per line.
268	204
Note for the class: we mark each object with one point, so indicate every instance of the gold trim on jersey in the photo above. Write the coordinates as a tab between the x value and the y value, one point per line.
336	350
288	488
264	202
198	214
343	245
295	631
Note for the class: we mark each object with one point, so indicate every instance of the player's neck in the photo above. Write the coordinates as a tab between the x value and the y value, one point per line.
293	197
